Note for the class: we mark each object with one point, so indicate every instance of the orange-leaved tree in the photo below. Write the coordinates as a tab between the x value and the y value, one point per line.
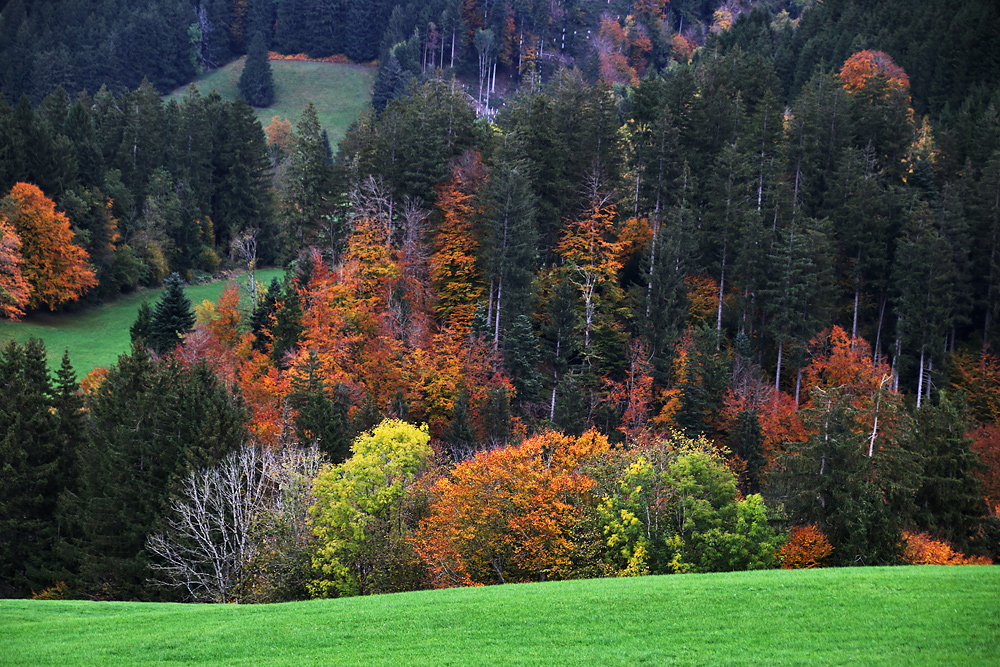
455	276
508	514
806	547
14	289
51	262
863	66
844	363
591	250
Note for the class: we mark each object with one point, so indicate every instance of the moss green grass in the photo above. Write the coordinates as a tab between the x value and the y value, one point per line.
340	92
867	616
97	335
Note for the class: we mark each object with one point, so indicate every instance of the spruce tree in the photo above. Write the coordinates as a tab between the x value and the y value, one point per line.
152	423
949	502
256	82
319	417
30	471
307	181
172	317
390	84
260	319
287	323
459	434
143	325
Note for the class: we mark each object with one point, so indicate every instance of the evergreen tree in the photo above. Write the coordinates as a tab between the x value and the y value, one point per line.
31	471
459	435
660	302
242	197
949	502
858	500
141	329
306	186
921	275
521	356
172	317
152	423
390	84
260	319
509	243
706	373
256	82
287	329
320	418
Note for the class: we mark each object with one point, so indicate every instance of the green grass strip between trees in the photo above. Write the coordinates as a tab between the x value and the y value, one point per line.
96	336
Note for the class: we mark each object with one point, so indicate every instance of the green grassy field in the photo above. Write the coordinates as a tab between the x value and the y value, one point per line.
97	336
865	616
340	92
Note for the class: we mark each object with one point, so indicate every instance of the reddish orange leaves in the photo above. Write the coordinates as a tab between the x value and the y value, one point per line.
507	515
51	263
14	289
863	66
922	549
807	547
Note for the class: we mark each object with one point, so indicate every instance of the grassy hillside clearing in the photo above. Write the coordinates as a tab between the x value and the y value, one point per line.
340	92
97	336
867	616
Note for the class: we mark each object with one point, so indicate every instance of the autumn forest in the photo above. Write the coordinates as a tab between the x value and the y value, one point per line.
590	290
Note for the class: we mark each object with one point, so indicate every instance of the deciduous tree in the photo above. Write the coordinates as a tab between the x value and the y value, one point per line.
51	262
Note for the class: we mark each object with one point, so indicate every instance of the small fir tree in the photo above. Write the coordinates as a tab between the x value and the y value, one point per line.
143	325
256	83
172	317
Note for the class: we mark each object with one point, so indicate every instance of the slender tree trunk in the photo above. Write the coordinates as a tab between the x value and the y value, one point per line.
878	331
496	329
798	385
930	368
652	264
489	304
777	371
895	363
854	324
920	378
722	288
871	443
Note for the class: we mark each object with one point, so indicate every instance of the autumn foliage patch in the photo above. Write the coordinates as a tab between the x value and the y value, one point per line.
922	549
807	547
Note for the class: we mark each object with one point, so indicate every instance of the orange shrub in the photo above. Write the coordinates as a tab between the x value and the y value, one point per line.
922	549
807	547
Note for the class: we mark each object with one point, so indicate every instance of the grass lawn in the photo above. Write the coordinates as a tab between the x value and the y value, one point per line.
96	336
866	616
340	92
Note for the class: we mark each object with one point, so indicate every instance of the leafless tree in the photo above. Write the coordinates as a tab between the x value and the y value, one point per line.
244	246
210	539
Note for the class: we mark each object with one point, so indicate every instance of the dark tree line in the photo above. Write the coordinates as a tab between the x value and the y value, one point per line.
149	187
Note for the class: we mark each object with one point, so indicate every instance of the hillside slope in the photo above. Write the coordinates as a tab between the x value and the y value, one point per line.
872	616
340	92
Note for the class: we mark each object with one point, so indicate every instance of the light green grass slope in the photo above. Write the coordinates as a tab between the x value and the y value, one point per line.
97	336
340	92
864	616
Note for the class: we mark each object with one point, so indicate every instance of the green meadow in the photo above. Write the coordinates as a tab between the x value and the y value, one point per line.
929	615
340	92
97	335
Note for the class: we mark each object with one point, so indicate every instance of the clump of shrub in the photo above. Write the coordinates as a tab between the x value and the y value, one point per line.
806	548
923	549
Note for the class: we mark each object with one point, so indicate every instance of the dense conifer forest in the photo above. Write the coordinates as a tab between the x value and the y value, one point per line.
591	289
